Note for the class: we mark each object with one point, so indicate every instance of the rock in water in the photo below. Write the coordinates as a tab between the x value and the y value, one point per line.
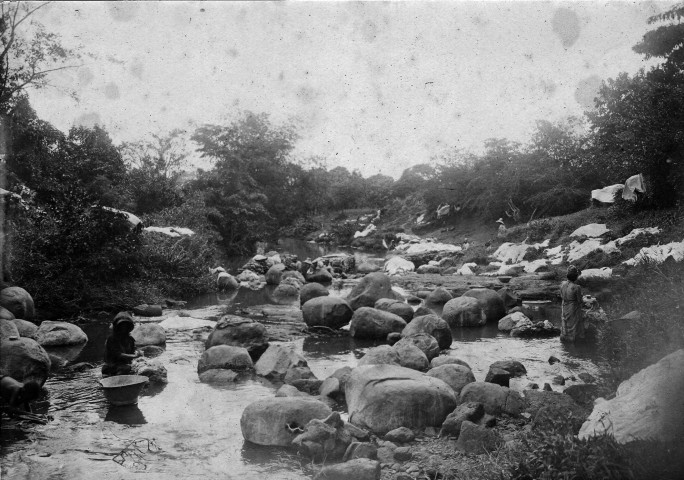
374	324
369	290
432	325
57	334
312	290
18	301
490	302
239	332
384	397
396	307
425	342
464	312
274	274
277	421
148	334
331	312
438	297
277	360
225	356
24	359
380	355
648	405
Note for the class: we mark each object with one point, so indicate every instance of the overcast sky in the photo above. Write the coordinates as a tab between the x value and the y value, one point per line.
374	86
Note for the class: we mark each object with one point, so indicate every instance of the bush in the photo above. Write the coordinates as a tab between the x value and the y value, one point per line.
658	292
558	455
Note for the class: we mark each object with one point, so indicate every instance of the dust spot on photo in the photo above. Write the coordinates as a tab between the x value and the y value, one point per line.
88	120
137	69
306	94
587	89
548	87
85	76
566	25
232	53
369	31
111	91
123	11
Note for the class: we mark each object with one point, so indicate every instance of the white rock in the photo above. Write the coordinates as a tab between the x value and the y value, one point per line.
646	406
592	230
398	266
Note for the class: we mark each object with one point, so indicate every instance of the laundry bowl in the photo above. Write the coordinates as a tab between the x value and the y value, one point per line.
123	389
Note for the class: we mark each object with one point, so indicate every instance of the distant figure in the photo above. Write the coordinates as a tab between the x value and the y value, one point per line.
120	347
17	394
572	321
465	245
502	228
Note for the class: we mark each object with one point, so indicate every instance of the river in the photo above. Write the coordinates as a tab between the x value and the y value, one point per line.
194	428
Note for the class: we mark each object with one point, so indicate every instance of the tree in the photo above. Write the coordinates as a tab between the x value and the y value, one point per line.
666	41
250	186
155	171
29	53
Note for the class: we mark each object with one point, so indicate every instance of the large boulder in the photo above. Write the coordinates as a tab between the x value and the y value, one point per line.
312	290
26	329
380	355
490	302
454	375
225	356
404	310
438	297
226	282
331	312
277	360
148	334
357	468
384	397
425	342
464	312
432	325
6	314
57	334
274	274
495	398
277	421
398	266
286	291
374	324
152	369
239	332
8	329
508	297
18	301
369	290
410	356
24	359
648	405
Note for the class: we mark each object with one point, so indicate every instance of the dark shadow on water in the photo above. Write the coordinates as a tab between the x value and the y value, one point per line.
125	415
61	356
153	389
275	458
323	346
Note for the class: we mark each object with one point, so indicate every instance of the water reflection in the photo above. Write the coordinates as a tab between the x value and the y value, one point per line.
125	415
61	356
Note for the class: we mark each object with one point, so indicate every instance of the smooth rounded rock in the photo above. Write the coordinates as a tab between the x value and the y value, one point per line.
369	290
277	421
326	311
26	329
24	359
425	342
225	356
396	307
18	301
149	334
239	332
374	324
454	375
490	302
312	290
57	334
411	356
464	312
431	325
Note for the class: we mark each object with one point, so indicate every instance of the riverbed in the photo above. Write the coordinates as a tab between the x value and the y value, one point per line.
192	430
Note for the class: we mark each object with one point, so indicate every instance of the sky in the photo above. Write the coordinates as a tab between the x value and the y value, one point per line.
377	86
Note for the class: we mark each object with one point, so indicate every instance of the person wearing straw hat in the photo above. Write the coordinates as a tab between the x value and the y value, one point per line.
572	320
120	347
502	228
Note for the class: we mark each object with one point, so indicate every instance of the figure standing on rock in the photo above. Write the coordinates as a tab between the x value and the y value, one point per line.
572	321
120	347
502	229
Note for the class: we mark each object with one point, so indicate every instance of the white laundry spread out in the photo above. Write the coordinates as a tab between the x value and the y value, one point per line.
606	194
634	184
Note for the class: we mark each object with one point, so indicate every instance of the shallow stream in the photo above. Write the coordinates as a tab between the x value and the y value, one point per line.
194	428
